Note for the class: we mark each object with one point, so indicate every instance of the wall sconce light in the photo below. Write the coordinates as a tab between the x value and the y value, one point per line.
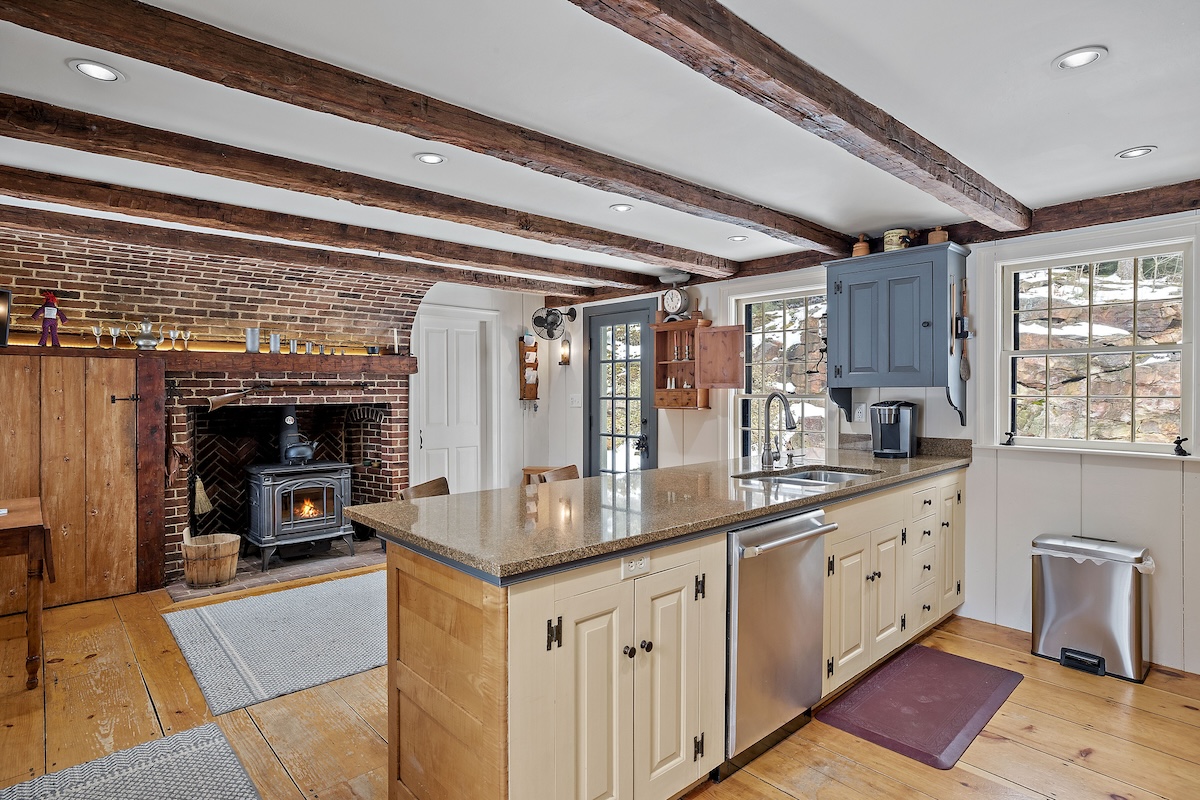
5	313
564	353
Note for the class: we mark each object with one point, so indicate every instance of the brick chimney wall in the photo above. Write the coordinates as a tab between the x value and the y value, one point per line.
99	281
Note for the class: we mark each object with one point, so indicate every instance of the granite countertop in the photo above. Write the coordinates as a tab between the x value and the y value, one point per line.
506	535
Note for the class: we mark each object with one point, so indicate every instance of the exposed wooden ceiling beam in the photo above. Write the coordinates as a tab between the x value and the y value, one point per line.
39	186
185	45
33	121
710	39
217	245
1139	204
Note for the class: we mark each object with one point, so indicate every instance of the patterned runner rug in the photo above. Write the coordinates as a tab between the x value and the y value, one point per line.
186	766
245	651
925	704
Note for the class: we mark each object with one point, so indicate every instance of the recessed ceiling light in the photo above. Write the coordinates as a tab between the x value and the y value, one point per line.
1081	57
1137	152
621	207
96	70
738	238
429	158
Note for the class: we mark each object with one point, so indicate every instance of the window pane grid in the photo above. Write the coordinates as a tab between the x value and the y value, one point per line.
785	351
620	398
1096	350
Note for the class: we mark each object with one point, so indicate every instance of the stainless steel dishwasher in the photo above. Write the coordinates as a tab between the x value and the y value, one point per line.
776	613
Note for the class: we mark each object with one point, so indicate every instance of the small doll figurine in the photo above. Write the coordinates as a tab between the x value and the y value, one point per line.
51	315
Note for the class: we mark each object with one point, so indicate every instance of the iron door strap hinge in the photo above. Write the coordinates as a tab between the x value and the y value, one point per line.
829	668
700	580
830	567
553	633
698	747
133	398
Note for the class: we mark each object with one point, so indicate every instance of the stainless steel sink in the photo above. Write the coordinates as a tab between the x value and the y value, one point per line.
820	476
806	474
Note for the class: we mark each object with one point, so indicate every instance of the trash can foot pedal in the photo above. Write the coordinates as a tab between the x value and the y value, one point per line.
1084	662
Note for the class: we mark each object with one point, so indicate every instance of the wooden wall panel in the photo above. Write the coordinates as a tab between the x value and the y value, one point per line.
151	473
450	678
64	486
111	478
20	463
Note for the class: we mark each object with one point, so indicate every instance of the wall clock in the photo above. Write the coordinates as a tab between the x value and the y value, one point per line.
676	303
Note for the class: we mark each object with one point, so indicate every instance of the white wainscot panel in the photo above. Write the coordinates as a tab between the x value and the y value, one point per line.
1036	493
1191	566
980	602
1140	502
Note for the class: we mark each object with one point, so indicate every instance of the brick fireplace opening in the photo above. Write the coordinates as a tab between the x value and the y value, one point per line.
361	423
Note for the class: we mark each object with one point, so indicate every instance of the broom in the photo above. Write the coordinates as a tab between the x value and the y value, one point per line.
203	504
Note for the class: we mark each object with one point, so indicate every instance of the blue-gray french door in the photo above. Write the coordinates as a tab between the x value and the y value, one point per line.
621	425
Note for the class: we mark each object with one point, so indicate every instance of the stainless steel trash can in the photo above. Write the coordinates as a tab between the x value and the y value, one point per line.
1091	609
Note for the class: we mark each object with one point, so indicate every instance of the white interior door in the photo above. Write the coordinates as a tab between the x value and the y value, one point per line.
450	387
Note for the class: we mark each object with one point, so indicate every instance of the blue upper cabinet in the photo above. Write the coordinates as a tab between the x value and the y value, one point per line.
892	321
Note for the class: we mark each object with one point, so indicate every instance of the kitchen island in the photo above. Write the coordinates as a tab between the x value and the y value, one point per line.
523	623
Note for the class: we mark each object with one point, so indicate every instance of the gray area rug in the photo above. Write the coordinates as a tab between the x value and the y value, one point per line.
245	651
194	765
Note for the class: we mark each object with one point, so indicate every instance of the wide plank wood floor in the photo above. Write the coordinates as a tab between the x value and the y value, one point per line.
113	677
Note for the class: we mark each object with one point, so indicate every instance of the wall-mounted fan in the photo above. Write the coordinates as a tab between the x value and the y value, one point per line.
548	322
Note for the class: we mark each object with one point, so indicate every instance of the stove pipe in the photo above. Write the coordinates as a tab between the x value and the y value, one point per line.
294	448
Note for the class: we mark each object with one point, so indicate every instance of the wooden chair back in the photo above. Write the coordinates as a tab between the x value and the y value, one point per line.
568	473
433	488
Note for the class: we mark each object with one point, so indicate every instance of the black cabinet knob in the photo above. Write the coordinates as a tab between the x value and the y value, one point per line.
928	567
630	651
926	324
927	607
647	646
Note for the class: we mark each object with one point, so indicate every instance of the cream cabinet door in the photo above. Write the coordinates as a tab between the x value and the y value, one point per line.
952	543
666	681
886	590
594	695
847	609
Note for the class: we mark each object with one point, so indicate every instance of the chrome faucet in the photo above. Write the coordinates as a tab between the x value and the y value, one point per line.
770	454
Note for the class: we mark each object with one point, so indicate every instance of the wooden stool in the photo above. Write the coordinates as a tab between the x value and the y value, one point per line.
23	533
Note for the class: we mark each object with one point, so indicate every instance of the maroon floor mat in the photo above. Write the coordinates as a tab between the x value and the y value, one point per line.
925	704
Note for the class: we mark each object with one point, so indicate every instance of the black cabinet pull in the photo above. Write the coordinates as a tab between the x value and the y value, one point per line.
927	607
927	567
630	651
945	524
871	577
926	502
647	646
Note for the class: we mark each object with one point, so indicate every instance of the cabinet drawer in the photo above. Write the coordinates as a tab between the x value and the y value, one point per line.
676	398
923	532
924	501
923	607
923	568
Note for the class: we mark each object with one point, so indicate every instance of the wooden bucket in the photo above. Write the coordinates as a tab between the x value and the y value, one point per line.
210	560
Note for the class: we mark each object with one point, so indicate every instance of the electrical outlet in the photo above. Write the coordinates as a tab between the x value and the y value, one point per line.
634	565
575	400
860	412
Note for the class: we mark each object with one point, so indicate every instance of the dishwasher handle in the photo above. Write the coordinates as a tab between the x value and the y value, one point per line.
759	549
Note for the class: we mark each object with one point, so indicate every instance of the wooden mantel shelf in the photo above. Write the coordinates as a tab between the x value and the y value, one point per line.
236	362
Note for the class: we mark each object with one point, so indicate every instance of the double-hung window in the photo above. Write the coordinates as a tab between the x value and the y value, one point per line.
1097	349
785	351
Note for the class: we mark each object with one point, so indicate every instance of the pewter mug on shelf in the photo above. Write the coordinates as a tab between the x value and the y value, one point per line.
276	340
145	339
252	344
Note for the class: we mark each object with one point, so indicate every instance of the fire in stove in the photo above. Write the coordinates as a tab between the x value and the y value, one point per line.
308	509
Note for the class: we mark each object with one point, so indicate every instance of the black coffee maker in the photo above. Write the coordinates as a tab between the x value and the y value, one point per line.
894	429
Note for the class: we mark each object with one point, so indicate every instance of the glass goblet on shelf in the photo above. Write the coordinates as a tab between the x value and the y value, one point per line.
114	332
174	334
186	336
97	331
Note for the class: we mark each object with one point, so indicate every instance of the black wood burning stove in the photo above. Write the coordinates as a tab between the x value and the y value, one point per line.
297	500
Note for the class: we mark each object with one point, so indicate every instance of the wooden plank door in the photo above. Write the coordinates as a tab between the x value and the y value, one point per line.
666	681
594	688
111	477
20	434
64	476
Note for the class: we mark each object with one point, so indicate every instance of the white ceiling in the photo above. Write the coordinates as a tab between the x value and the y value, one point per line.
974	78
